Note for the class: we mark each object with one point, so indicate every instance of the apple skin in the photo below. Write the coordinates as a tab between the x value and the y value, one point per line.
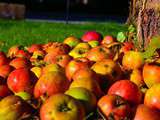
152	97
98	53
20	63
128	90
34	47
23	54
51	83
62	107
14	108
89	83
132	60
108	39
145	113
5	70
151	74
93	43
72	41
63	60
74	65
91	36
114	106
4	91
137	78
3	59
86	97
20	80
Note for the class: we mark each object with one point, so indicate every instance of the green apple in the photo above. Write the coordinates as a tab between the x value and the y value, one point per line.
85	96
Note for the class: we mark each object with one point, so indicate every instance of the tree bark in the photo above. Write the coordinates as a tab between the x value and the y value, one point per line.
145	15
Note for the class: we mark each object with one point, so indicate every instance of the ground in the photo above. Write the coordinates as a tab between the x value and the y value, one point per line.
29	32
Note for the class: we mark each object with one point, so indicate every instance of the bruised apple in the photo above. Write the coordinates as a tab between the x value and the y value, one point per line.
114	106
128	90
62	107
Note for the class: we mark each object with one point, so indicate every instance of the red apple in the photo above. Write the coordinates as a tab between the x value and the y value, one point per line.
4	91
23	54
145	113
34	47
108	39
21	80
62	107
128	90
114	106
51	83
91	36
20	62
3	59
5	70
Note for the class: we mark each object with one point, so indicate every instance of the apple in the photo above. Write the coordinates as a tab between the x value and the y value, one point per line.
145	113
91	36
4	91
98	53
114	106
83	45
72	41
62	107
127	46
137	78
5	70
151	74
20	80
93	43
34	47
23	54
74	65
37	71
3	59
89	83
108	39
128	90
132	60
152	97
13	51
58	48
86	97
20	62
63	60
52	68
108	70
37	55
86	73
14	108
50	83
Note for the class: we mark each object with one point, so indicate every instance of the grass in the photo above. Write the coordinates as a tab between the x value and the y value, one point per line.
29	32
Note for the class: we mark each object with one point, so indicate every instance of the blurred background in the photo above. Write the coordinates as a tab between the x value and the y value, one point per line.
74	9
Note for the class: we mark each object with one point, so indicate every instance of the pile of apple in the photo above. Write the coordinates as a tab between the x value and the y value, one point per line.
92	78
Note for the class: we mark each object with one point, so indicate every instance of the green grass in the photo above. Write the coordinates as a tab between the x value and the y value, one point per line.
27	32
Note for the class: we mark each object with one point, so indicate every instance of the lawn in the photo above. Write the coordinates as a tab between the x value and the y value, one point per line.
29	32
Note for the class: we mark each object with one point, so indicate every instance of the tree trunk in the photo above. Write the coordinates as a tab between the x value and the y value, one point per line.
145	15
